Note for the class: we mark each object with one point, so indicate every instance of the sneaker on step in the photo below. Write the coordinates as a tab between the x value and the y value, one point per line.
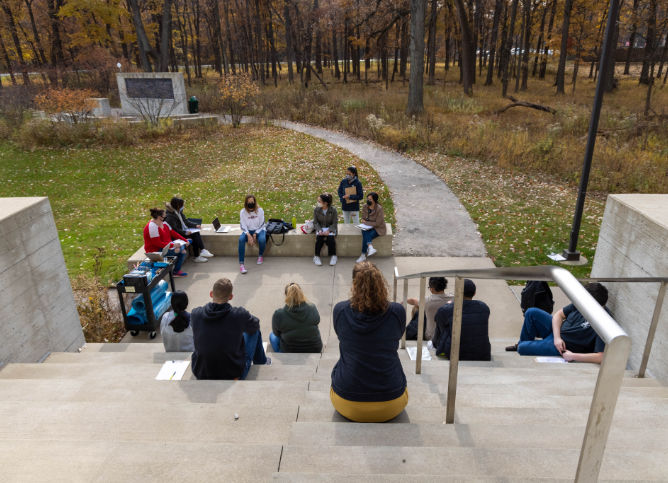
317	261
200	259
205	253
511	348
242	269
361	258
333	260
180	273
268	363
370	251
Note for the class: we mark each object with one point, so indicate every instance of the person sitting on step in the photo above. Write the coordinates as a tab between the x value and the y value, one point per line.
373	216
186	228
325	226
434	301
566	333
295	326
368	381
474	338
227	339
177	334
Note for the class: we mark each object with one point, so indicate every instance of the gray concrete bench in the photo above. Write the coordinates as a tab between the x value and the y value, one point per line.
296	244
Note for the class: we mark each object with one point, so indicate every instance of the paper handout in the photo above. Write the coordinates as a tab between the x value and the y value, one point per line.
172	371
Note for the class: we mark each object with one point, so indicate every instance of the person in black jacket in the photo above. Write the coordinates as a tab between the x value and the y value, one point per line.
368	382
350	193
183	226
474	339
226	338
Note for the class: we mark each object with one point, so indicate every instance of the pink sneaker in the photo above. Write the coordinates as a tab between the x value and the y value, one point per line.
242	269
260	260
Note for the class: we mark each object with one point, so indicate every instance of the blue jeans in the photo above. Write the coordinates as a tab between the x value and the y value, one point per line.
180	258
261	240
254	351
367	236
275	342
537	323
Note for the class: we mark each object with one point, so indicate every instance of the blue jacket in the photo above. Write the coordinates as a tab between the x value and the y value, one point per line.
355	205
369	368
220	351
474	341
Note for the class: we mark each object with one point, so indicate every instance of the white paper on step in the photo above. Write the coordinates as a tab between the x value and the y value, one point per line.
412	352
172	371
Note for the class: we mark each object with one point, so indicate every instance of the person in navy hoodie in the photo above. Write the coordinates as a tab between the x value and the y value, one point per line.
350	202
227	339
368	382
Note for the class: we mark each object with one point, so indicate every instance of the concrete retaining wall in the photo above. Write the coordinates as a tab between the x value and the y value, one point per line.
37	309
633	242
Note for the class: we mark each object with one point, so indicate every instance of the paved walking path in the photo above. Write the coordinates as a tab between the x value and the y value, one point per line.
430	219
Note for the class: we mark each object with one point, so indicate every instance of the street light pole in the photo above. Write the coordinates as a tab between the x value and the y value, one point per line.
607	56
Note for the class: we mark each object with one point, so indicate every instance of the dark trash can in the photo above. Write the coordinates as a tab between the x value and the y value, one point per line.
193	105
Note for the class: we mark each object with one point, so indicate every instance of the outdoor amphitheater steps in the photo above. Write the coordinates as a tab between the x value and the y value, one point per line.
101	415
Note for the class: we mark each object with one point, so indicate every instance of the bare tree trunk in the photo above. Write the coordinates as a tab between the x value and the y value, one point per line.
431	43
143	43
650	41
165	35
216	44
527	43
258	38
632	38
403	50
272	46
415	88
318	39
492	43
546	51
504	42
509	44
10	68
539	43
563	51
345	49
229	36
609	82
335	54
17	43
467	48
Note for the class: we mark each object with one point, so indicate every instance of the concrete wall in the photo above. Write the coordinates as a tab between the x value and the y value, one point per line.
633	242
37	309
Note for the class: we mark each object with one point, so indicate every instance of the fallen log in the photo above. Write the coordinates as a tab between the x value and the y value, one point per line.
531	105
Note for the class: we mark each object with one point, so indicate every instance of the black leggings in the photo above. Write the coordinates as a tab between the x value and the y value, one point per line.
320	240
198	244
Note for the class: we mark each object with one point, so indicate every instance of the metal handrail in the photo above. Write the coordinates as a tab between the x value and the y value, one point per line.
613	365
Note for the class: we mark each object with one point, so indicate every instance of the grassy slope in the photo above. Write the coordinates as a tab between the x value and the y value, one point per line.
100	197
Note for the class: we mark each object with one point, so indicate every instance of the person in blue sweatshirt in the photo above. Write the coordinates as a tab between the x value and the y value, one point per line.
227	339
368	382
350	193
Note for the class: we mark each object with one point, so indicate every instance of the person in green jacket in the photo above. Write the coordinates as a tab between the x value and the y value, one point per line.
295	326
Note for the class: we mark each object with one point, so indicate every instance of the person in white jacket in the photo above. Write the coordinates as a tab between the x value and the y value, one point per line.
251	219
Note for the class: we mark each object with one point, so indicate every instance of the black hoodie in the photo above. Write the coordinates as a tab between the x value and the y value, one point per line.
219	343
369	368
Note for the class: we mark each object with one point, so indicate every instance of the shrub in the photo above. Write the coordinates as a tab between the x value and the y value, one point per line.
72	105
5	131
237	93
14	102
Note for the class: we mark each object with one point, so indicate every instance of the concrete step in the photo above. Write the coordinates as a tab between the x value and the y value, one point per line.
468	435
505	464
86	461
265	394
345	477
165	421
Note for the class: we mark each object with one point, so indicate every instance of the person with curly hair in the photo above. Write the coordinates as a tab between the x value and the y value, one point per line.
368	382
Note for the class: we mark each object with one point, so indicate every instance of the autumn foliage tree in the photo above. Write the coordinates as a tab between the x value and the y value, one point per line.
237	93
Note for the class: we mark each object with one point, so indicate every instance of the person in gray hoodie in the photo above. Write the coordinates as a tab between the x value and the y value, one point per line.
295	326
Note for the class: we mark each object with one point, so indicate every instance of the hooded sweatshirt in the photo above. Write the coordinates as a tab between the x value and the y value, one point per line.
297	328
369	368
219	343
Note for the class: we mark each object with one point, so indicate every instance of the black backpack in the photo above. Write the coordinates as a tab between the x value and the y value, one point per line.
537	294
278	227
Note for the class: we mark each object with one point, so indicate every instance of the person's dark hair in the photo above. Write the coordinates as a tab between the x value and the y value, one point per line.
156	212
438	283
353	170
179	306
598	291
327	198
248	197
374	196
469	288
177	203
369	293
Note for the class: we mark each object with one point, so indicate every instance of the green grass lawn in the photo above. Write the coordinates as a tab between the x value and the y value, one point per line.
101	196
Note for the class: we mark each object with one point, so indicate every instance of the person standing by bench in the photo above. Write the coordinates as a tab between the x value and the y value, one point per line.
325	219
183	226
350	193
159	236
251	220
374	217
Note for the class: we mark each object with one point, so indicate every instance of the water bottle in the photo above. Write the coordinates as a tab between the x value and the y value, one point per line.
294	222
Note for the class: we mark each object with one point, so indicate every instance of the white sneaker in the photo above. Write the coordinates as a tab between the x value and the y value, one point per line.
370	251
333	260
361	258
316	260
200	259
205	253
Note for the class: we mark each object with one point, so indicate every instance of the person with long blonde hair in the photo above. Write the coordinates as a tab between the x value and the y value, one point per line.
368	382
295	326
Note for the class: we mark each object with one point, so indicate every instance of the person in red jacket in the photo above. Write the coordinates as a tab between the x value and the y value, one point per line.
159	237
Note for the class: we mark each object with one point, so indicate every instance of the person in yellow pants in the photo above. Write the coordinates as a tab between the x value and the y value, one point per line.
368	381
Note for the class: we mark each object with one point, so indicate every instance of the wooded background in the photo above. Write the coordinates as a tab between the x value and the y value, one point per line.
66	42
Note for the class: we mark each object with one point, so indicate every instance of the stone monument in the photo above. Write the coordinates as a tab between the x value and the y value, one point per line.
152	94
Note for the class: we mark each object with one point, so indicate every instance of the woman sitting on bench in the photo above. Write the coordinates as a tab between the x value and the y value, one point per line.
159	237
